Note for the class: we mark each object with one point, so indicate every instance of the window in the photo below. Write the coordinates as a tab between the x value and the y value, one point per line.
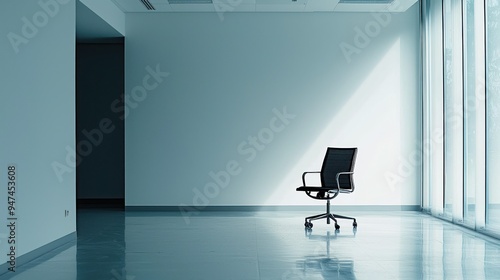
453	109
493	114
456	169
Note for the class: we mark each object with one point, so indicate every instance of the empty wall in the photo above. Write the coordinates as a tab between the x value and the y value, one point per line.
37	124
231	110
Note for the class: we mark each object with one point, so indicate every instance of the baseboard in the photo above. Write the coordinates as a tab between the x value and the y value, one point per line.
255	208
22	262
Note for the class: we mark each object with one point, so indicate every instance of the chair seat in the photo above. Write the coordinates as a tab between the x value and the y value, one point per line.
314	189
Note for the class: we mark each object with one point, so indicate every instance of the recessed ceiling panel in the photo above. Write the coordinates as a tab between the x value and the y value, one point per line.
162	7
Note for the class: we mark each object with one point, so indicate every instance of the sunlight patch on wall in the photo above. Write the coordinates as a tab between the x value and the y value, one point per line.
378	139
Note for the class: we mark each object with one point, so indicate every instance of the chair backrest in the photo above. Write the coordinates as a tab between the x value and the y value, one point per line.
338	160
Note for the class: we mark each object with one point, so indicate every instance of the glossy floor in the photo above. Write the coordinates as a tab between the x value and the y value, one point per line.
116	245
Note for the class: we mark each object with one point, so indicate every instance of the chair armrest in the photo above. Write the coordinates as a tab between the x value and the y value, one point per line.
304	176
343	173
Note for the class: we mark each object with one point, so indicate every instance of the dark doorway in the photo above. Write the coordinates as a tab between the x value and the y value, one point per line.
100	172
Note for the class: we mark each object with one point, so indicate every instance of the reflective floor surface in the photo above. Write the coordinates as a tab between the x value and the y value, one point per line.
117	245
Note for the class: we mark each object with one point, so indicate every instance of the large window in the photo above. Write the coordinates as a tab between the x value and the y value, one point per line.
433	107
470	103
453	109
470	113
493	113
474	111
462	104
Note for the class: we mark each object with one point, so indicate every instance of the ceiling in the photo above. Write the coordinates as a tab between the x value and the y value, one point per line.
91	27
172	6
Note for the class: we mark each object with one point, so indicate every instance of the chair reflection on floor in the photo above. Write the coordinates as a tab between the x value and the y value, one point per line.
329	267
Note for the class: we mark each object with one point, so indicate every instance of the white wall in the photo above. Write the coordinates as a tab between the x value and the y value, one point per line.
37	124
226	78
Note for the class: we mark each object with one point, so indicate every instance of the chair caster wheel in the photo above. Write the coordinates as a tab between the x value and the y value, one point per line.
337	226
355	225
308	225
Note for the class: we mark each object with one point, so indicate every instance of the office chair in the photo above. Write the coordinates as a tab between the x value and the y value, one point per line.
336	177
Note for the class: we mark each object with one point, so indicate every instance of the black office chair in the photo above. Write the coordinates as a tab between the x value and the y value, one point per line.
336	177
